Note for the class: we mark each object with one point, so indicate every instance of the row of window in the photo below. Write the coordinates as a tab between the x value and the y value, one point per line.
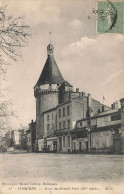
87	122
116	117
113	118
48	117
64	125
48	126
62	112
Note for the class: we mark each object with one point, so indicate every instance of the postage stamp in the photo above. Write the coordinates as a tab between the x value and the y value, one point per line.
110	17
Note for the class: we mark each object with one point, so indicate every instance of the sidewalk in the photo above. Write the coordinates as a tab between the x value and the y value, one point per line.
17	151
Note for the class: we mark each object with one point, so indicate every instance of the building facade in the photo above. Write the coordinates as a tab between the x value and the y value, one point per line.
68	113
31	137
15	139
103	134
71	121
122	125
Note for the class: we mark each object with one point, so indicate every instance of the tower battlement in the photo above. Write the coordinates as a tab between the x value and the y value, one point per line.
46	89
40	92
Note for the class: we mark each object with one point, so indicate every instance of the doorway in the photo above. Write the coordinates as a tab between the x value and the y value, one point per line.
87	146
74	147
60	143
117	146
54	146
79	146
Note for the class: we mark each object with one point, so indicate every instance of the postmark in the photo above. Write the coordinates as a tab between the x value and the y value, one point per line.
110	16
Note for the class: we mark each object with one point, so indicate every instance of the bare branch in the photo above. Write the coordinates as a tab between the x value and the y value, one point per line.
14	35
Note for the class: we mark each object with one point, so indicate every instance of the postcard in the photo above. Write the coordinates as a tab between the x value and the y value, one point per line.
61	96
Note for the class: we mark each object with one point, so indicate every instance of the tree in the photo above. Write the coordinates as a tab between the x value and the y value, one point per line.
13	36
6	111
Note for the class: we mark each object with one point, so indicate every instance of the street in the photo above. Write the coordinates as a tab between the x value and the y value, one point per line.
62	167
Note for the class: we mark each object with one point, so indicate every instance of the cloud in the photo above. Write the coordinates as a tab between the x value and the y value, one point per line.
98	62
102	49
83	43
77	49
76	24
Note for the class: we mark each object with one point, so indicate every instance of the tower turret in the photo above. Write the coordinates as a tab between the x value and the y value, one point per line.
46	90
50	49
51	73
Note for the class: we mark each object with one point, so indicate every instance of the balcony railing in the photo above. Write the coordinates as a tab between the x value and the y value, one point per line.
62	131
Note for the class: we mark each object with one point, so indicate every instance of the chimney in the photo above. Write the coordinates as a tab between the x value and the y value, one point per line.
116	105
77	89
112	107
80	93
83	94
89	99
89	104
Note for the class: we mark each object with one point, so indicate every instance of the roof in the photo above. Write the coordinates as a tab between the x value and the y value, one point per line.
67	102
67	84
107	127
28	131
98	116
50	73
97	129
122	99
49	110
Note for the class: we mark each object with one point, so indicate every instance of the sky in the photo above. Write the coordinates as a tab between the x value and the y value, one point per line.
89	61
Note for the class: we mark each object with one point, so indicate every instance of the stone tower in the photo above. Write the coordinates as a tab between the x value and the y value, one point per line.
46	90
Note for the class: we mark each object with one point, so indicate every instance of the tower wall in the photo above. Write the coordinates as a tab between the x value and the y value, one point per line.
65	93
45	100
46	90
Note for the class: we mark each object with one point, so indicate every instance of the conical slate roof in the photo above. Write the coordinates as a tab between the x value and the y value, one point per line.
50	73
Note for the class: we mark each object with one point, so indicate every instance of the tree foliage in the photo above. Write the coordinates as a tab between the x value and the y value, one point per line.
6	111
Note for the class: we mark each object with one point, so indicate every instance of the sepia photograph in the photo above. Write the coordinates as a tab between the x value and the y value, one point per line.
61	96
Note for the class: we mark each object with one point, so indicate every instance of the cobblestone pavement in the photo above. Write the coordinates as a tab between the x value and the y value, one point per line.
62	167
